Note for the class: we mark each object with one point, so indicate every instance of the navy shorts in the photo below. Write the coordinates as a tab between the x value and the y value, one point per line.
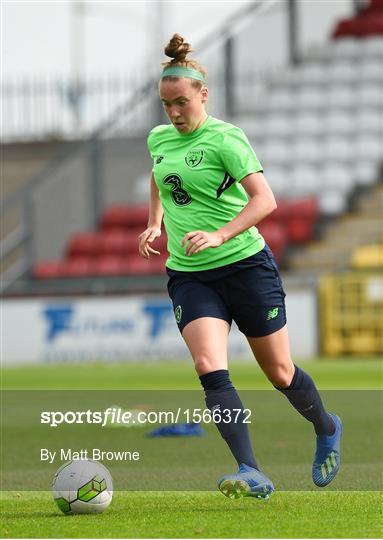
249	292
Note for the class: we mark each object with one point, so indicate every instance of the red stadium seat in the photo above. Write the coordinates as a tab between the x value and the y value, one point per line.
118	242
137	265
300	231
368	24
113	251
275	236
303	216
48	269
280	214
77	267
84	244
375	6
108	266
125	217
68	268
345	28
160	244
305	208
292	222
157	263
109	242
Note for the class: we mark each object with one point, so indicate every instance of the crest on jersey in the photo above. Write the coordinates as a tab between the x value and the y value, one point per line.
194	158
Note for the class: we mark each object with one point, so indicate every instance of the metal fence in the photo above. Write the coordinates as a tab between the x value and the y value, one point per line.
43	108
53	109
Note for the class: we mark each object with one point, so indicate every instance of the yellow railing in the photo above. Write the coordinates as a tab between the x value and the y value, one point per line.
351	310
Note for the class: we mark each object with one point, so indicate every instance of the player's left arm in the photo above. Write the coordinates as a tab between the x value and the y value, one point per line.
261	203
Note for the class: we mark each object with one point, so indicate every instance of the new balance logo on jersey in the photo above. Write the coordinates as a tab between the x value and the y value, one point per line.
272	313
158	159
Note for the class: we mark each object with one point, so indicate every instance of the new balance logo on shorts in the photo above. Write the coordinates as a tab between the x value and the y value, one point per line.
178	313
272	313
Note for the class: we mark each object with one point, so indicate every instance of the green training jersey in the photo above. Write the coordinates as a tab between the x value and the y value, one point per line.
199	177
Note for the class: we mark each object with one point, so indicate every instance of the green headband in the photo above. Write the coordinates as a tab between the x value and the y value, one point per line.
179	71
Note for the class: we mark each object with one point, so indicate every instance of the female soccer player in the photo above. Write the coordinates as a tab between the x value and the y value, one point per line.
209	187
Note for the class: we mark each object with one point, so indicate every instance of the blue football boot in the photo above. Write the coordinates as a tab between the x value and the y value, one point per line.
248	482
327	456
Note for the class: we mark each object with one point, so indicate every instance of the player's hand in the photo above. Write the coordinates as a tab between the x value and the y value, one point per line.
145	239
197	241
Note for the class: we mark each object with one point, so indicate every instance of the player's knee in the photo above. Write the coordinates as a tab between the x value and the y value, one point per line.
281	376
203	364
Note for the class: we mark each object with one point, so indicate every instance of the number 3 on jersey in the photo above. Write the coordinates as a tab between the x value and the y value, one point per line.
179	195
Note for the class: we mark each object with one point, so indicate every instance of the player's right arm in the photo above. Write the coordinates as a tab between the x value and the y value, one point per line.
153	229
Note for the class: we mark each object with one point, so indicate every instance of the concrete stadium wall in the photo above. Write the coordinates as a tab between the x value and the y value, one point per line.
125	162
63	205
60	208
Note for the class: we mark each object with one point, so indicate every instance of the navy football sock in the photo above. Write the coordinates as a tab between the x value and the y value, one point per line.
220	396
304	396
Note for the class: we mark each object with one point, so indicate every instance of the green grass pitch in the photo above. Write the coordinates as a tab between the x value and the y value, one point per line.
195	514
200	515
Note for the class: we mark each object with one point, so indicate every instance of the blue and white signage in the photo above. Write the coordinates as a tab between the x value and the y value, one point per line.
130	328
91	329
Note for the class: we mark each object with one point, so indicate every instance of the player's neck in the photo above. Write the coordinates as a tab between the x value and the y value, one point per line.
201	121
